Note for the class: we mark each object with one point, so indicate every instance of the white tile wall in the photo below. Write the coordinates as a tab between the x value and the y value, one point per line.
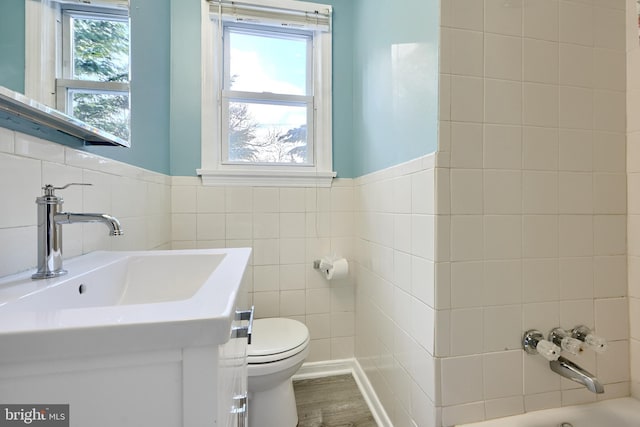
139	199
538	202
287	228
396	295
633	189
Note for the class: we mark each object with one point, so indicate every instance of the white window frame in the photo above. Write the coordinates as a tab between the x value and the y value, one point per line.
66	84
214	170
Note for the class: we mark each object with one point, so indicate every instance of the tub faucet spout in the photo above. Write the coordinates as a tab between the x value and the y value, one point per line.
572	371
50	221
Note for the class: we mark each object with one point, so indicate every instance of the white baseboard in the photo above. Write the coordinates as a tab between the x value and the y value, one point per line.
342	367
326	368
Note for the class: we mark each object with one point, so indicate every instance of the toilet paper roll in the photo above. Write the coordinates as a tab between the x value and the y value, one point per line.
338	270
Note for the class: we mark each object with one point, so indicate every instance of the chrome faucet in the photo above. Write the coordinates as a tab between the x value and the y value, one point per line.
570	370
50	222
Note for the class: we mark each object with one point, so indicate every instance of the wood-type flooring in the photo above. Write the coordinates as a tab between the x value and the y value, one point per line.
331	402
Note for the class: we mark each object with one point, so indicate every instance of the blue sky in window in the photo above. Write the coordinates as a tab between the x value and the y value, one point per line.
268	64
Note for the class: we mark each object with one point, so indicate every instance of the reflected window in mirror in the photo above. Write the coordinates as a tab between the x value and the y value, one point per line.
95	68
77	60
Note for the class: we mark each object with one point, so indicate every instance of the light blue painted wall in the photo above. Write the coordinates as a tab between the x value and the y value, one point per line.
12	44
395	82
343	49
185	87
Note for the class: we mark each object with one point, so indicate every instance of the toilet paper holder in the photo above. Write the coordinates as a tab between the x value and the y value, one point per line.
332	267
322	264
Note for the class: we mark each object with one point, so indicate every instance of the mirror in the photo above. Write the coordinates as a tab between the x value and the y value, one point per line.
21	111
76	64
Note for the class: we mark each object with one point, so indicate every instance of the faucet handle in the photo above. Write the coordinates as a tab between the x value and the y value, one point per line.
533	342
583	333
572	345
598	344
562	338
49	190
70	184
548	350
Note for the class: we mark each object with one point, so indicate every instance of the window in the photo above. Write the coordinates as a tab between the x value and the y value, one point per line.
78	60
266	94
95	68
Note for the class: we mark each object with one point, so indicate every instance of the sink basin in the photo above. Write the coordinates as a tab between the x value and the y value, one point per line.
152	279
121	279
110	301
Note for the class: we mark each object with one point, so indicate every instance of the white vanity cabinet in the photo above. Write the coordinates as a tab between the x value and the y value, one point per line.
189	387
227	400
232	383
215	394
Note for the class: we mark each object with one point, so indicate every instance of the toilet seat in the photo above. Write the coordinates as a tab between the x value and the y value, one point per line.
276	339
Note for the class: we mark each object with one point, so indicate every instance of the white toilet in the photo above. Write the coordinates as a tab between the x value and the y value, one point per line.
277	350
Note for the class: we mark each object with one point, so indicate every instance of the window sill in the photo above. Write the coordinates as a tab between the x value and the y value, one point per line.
266	178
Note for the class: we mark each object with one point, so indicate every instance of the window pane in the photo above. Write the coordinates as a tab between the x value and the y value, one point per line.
267	133
275	63
107	111
100	49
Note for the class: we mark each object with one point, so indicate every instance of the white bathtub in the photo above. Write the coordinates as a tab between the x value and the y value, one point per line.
624	412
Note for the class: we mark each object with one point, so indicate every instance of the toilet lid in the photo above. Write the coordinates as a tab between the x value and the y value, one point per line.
277	335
